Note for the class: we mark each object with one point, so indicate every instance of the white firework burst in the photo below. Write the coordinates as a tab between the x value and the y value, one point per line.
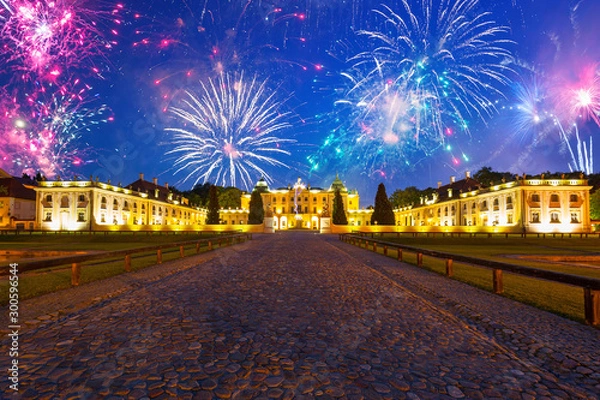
229	132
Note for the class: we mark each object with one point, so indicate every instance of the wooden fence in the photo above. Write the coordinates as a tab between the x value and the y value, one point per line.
591	286
76	260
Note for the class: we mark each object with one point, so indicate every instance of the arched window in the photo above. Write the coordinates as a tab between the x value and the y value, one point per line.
49	198
535	198
509	204
81	198
554	198
573	198
64	202
445	211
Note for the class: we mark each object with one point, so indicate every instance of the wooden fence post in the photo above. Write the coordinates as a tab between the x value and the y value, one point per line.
385	250
375	247
449	268
198	247
399	254
181	252
128	263
498	284
209	245
159	256
75	274
591	301
419	259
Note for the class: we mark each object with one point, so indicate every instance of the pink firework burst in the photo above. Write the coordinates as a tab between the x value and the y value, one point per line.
42	38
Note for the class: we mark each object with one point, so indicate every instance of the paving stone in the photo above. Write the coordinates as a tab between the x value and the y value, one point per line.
298	315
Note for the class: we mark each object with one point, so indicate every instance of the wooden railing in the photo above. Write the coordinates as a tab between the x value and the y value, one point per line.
76	260
543	235
591	286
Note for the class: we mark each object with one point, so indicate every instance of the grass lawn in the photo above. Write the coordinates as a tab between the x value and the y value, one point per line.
48	280
561	299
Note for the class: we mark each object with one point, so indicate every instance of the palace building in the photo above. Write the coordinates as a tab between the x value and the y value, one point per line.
79	205
300	205
523	205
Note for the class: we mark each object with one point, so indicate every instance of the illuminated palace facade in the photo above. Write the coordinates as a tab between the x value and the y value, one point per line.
523	205
91	205
300	206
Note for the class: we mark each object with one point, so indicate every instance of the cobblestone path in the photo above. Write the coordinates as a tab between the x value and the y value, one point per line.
292	315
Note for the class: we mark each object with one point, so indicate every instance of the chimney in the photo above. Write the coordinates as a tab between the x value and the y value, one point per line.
155	181
439	184
141	176
468	174
452	179
167	185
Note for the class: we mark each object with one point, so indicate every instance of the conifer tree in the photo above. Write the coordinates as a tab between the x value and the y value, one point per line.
256	213
213	206
383	213
339	215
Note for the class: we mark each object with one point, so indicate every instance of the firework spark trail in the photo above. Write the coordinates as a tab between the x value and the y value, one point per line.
43	38
44	136
425	71
228	132
451	57
581	162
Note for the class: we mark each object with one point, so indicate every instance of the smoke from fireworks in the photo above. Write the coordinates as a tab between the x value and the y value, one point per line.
228	132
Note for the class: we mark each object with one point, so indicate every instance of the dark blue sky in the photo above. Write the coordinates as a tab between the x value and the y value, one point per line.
302	48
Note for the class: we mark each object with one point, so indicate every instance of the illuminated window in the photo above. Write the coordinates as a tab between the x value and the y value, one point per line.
115	204
446	212
535	217
452	211
496	205
81	216
554	217
484	206
509	204
574	218
64	202
509	218
48	217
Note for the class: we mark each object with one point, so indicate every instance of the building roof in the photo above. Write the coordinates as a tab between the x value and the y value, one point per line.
337	184
155	191
464	185
12	187
261	186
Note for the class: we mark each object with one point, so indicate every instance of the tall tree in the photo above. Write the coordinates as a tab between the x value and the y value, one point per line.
256	214
383	213
230	197
339	215
213	206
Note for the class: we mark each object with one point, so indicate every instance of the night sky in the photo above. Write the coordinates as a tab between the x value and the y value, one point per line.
229	91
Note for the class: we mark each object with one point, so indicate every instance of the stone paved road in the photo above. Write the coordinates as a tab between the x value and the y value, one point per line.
291	315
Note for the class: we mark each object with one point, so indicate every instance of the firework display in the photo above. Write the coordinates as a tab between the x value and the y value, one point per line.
229	91
228	132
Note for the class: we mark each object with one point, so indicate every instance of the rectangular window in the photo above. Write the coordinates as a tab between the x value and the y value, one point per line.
80	217
48	217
